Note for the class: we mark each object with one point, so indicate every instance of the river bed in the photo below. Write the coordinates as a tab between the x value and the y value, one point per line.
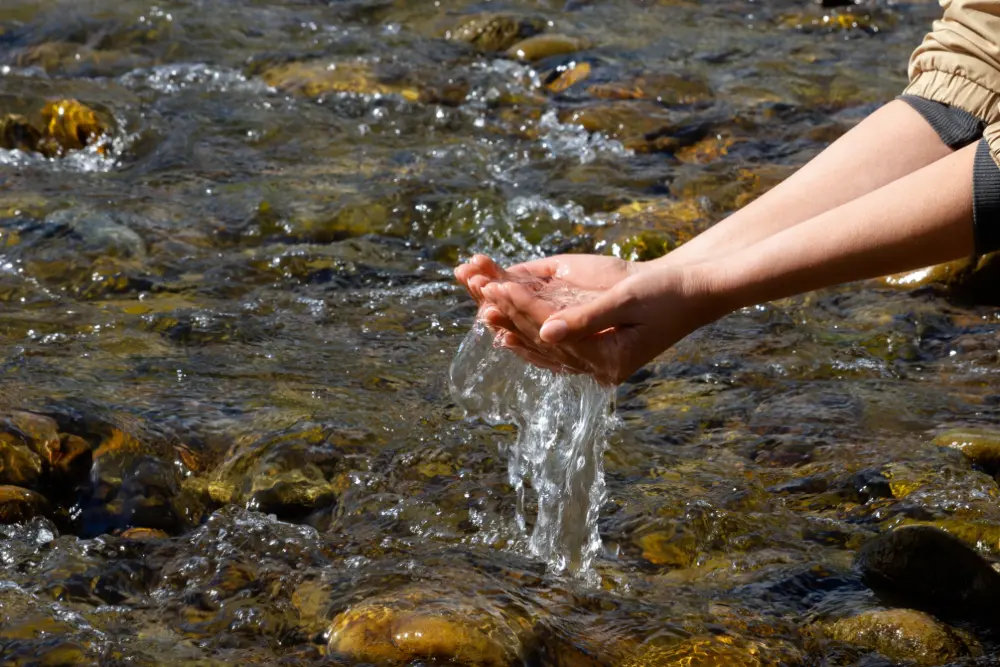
226	327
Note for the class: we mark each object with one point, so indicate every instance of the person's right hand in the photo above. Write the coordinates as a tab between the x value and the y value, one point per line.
607	333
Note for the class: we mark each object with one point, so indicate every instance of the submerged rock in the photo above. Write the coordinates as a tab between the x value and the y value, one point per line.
418	625
930	570
669	89
564	78
904	635
979	446
495	32
17	504
29	445
288	474
16	133
699	652
315	78
545	46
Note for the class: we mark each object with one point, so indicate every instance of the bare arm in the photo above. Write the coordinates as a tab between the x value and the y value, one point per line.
918	220
889	144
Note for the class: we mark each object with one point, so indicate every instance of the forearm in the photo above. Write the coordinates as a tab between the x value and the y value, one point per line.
891	143
918	220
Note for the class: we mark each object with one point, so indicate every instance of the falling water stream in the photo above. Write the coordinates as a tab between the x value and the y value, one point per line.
562	425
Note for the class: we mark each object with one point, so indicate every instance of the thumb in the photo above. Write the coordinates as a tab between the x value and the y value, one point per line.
586	319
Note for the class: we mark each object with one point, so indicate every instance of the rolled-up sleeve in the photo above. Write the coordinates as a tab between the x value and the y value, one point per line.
958	63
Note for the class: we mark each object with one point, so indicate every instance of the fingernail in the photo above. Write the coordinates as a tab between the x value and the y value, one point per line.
553	331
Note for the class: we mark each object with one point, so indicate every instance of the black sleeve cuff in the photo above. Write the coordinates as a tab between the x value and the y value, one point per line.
985	200
957	128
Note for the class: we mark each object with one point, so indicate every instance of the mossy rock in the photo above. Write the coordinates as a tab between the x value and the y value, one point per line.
905	635
982	447
566	77
72	125
835	21
669	548
416	625
491	32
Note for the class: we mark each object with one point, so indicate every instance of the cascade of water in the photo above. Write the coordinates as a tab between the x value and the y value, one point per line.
562	425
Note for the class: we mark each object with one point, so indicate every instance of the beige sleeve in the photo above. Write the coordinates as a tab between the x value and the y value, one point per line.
958	63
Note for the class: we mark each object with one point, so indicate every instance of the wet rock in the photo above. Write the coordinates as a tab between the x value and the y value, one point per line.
132	488
18	504
904	635
983	536
546	45
564	78
418	625
982	447
669	89
72	125
649	229
699	652
316	78
669	548
289	474
927	569
642	247
144	534
90	231
640	126
976	278
29	445
18	464
494	32
73	460
868	21
16	133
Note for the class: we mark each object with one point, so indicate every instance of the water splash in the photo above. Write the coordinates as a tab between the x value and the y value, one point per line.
562	425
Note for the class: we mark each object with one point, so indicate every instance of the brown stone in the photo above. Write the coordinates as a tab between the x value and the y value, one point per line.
904	635
17	504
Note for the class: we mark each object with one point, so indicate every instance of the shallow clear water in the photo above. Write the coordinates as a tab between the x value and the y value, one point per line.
241	319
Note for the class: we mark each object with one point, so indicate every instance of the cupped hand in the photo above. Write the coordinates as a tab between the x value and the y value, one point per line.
585	273
608	333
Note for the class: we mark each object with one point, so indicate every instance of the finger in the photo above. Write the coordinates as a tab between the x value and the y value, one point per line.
511	342
609	309
487	267
476	285
544	268
526	328
463	272
501	295
495	318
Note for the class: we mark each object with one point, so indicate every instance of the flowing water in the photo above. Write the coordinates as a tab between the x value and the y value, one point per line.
562	425
227	317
